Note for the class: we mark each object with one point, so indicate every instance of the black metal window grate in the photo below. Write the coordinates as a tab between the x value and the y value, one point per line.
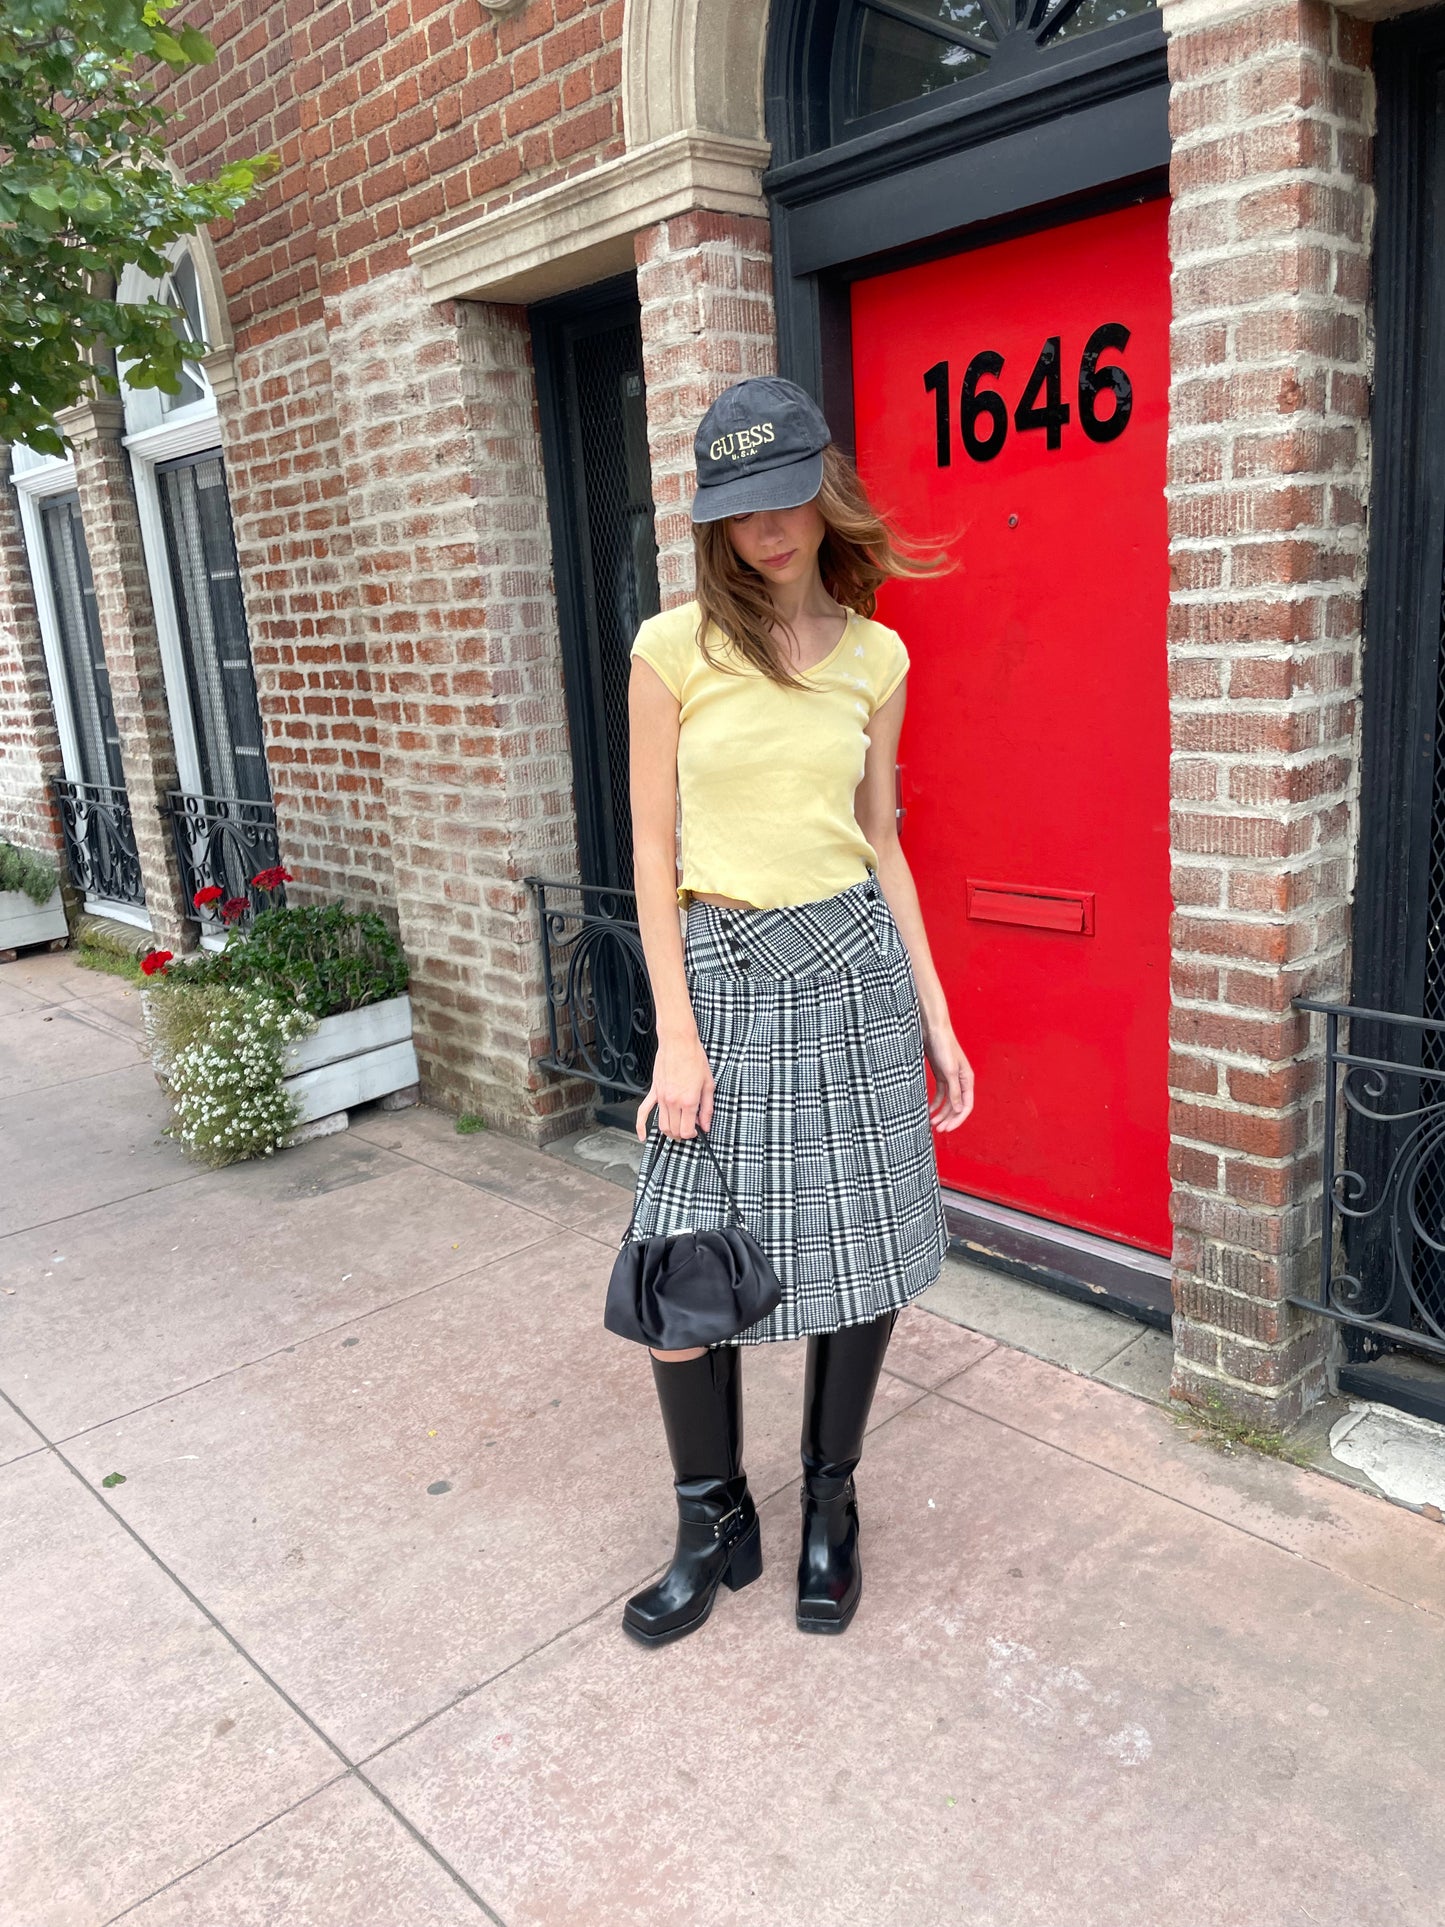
205	576
222	842
1428	1304
599	495
1383	1263
100	849
600	1017
1382	1240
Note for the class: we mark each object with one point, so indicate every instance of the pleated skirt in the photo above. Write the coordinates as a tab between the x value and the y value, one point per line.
809	1018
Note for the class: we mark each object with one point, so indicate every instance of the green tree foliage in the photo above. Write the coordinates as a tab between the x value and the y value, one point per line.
84	193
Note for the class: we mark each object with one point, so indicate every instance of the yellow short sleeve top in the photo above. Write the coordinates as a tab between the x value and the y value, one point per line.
767	775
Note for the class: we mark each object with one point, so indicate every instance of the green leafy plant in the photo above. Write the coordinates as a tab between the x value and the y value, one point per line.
220	1020
224	1049
324	957
85	192
28	871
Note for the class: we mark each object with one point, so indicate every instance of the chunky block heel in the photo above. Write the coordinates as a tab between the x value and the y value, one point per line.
746	1564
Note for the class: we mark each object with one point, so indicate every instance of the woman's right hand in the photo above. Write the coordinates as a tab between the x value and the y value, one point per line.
682	1088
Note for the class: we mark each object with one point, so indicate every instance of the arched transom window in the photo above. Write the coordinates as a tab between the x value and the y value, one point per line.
889	53
179	289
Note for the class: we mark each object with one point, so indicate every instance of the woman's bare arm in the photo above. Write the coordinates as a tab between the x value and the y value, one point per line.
682	1083
875	807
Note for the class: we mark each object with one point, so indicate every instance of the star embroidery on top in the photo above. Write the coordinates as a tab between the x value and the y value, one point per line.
859	650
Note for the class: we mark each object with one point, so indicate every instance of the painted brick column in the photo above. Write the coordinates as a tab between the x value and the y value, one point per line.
705	282
29	740
132	658
448	515
1271	110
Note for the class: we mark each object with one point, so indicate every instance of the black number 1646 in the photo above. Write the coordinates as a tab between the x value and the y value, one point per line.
983	412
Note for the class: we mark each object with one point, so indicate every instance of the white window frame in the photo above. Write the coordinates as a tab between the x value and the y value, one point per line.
192	430
198	433
34	482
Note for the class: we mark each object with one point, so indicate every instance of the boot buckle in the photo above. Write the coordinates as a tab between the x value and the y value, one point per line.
725	1520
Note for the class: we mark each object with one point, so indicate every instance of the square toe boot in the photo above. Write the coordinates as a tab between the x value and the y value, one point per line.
841	1378
718	1538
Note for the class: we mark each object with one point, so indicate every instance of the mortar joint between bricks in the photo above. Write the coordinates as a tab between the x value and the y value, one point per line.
1244	187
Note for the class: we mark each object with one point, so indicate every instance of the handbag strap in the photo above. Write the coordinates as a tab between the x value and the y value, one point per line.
657	1145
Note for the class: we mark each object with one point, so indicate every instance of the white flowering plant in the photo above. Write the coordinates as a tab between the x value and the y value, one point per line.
225	1050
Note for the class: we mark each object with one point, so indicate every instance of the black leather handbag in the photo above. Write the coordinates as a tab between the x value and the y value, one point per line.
683	1288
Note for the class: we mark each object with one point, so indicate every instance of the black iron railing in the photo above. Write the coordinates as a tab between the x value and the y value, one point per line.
100	850
1382	1248
600	1017
221	844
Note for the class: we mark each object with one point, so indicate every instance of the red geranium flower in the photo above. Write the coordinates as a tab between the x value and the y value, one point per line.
273	878
156	961
233	908
208	895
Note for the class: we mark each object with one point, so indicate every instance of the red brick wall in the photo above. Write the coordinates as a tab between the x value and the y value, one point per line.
1271	114
386	121
304	611
386	481
390	121
437	411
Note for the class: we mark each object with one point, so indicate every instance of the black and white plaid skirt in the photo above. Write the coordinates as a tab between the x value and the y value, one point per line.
809	1018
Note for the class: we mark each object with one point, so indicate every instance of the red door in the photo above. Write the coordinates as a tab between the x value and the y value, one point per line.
1011	404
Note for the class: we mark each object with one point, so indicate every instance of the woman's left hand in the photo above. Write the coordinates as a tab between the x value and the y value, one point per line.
953	1076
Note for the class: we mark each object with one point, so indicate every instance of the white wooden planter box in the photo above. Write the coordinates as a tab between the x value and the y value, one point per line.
23	920
346	1060
350	1059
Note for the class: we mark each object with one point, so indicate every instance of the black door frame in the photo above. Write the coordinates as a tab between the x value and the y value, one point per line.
1083	134
1077	136
1401	668
555	324
1401	664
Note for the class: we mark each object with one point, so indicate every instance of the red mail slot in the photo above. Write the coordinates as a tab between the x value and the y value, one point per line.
1069	910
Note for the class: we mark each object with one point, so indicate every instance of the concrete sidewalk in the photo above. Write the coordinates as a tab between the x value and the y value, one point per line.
342	1649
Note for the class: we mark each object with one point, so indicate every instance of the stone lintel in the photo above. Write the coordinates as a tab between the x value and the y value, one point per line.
581	230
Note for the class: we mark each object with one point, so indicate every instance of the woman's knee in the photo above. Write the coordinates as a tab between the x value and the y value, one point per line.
678	1358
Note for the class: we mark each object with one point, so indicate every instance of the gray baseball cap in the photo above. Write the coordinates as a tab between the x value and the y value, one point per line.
760	446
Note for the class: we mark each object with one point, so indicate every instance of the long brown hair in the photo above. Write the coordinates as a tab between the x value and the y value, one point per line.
860	551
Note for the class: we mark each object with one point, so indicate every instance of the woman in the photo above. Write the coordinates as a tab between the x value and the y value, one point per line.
794	1014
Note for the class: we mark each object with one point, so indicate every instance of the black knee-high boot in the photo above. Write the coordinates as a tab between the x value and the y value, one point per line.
718	1540
842	1376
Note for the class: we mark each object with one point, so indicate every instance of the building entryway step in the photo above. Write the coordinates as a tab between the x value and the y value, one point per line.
1402	1454
1400	1379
